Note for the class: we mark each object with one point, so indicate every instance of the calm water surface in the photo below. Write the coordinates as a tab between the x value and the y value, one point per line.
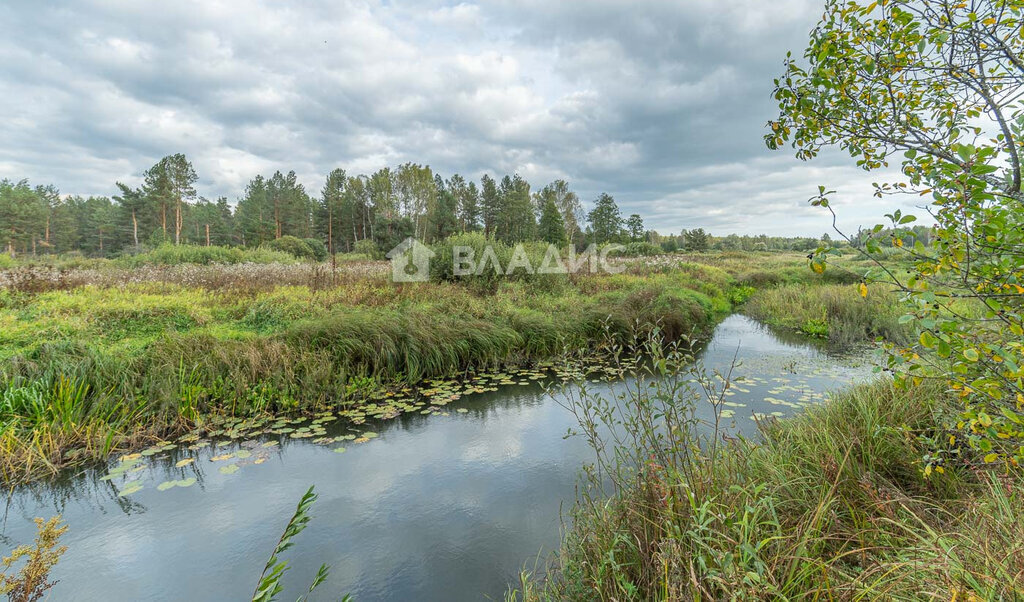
436	508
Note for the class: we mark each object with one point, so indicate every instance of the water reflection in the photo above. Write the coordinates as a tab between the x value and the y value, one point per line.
437	508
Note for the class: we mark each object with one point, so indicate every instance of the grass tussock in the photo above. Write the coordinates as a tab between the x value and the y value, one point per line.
830	505
835	312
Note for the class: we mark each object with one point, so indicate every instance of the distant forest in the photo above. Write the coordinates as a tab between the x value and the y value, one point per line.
385	208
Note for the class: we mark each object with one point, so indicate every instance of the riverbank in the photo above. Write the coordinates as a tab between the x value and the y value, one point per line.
106	360
831	504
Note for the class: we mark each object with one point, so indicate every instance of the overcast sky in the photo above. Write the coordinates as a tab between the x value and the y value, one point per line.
661	104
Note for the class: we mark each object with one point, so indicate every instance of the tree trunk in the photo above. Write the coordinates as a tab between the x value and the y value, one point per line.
207	234
135	230
177	222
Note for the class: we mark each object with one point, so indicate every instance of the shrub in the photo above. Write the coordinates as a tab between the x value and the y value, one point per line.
368	248
640	249
296	247
168	254
318	247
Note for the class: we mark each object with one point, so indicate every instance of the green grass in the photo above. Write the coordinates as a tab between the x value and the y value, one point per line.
836	312
830	505
169	254
149	356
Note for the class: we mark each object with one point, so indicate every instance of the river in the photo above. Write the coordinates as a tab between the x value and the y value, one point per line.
437	507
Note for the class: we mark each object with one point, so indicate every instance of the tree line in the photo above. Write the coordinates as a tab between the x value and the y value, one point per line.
383	208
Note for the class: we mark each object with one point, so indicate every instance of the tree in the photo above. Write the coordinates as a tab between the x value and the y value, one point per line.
336	212
568	205
444	219
22	216
490	206
933	83
517	221
552	228
635	225
696	240
254	214
605	219
468	198
170	182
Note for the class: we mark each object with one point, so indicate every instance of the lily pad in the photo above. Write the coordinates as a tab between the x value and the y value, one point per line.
185	462
229	469
130	489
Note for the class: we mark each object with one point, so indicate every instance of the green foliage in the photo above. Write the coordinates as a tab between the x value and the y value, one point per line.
368	248
269	584
640	249
605	220
295	247
932	82
696	240
552	226
318	248
832	311
169	254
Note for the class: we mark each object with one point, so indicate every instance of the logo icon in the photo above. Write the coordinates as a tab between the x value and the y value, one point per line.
410	261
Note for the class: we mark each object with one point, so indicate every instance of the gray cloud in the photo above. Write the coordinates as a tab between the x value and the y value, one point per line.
661	104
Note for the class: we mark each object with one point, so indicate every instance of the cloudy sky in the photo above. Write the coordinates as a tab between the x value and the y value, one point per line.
661	104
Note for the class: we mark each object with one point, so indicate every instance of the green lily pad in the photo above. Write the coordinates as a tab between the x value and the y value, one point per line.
133	488
229	469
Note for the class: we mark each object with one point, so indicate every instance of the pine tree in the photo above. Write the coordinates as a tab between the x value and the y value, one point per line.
552	228
490	204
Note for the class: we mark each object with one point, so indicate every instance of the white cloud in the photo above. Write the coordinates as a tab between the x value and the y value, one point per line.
661	104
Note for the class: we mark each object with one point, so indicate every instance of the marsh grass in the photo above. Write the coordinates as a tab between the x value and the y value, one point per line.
835	312
141	354
829	505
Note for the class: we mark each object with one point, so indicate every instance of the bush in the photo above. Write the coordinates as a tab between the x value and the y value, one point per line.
169	254
640	249
442	266
318	247
368	248
6	262
296	247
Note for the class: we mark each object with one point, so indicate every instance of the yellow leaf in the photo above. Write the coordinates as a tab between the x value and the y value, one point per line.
818	267
863	289
991	458
184	462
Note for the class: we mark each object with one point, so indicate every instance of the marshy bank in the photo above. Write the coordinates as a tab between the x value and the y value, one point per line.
99	359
